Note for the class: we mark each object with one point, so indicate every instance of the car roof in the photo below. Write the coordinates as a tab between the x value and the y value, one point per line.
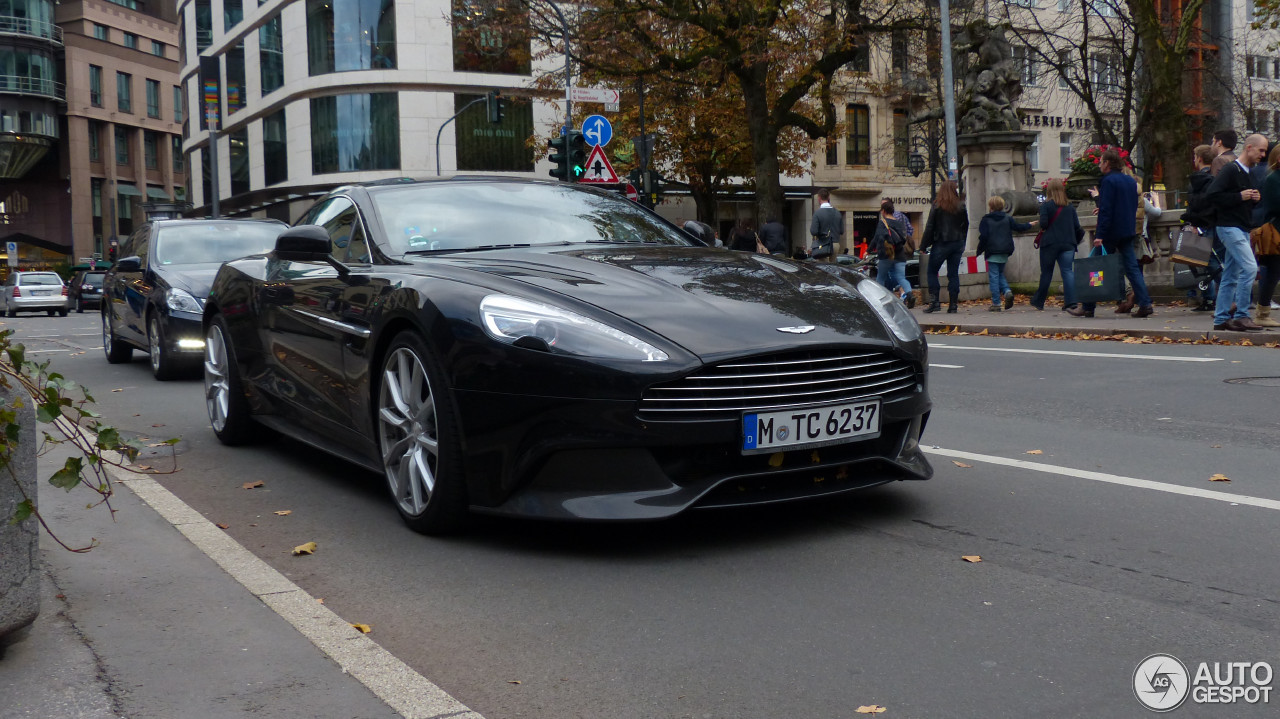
220	220
377	185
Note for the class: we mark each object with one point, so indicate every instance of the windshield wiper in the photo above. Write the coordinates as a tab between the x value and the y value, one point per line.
622	242
477	248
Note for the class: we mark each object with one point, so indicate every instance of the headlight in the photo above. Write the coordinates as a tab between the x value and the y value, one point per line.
890	309
508	319
182	301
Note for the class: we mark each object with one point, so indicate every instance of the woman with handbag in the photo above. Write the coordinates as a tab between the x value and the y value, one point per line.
1060	234
890	245
1266	240
944	237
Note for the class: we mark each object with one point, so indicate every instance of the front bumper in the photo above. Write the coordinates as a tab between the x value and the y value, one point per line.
594	460
183	333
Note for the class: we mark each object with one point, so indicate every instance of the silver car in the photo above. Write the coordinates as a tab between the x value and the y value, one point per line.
33	292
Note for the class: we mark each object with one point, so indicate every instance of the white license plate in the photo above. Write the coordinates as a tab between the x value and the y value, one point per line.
41	293
810	426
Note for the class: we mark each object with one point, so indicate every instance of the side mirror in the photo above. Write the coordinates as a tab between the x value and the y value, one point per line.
129	264
305	243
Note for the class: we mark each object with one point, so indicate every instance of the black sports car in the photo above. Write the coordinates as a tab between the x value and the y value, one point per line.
540	349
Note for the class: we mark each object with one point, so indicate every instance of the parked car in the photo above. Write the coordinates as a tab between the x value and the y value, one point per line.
85	289
539	349
34	292
154	293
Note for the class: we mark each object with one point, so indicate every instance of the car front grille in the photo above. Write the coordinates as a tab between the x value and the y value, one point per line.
779	381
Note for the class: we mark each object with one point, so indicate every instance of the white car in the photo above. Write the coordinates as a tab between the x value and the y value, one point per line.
33	292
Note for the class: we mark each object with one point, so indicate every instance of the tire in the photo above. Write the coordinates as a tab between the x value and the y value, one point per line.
418	439
116	351
163	364
223	393
79	306
51	312
63	312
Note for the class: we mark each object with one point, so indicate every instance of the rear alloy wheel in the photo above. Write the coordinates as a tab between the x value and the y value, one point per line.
223	394
116	351
418	439
163	364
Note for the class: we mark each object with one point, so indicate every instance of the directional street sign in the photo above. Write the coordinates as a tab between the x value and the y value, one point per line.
597	130
598	168
591	94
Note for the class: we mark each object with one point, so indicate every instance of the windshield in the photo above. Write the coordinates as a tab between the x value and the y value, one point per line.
214	242
94	280
40	279
440	217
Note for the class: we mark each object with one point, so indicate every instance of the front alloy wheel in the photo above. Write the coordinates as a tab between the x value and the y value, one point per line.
418	440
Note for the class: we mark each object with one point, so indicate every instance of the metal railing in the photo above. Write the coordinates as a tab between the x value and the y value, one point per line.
12	25
24	85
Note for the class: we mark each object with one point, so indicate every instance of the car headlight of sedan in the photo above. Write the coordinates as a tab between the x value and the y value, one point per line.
182	301
510	319
891	310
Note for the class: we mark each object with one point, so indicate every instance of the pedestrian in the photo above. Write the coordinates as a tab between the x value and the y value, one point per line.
1269	252
944	238
900	216
1233	196
774	236
1061	233
743	236
1199	214
827	227
890	245
995	241
1224	146
1117	229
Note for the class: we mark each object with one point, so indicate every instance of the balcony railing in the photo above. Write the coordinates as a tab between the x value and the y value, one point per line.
11	25
23	85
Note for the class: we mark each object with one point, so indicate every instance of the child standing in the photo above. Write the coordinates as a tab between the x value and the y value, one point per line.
995	240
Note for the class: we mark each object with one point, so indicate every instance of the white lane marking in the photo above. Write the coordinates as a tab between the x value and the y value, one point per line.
1166	358
406	691
36	352
1110	478
948	366
73	334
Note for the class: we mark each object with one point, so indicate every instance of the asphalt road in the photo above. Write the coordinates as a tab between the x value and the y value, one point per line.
1106	554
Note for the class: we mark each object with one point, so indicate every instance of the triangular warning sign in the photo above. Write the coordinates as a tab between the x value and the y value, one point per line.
598	168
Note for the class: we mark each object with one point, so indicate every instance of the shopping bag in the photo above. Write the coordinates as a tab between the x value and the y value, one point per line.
1184	278
1191	248
1099	278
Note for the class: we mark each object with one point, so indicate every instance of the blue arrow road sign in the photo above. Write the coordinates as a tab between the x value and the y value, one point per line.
597	130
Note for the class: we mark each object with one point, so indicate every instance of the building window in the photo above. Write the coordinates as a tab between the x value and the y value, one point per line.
898	51
1033	153
95	195
95	86
157	48
204	25
275	149
355	132
131	4
833	152
857	147
1064	6
1104	8
95	141
99	32
206	175
28	70
494	148
1258	120
235	79
1064	152
124	91
1023	3
122	145
271	55
350	35
153	98
1262	68
131	41
177	104
1064	66
901	139
232	14
239	151
1025	59
484	38
861	61
150	149
124	209
1106	72
177	153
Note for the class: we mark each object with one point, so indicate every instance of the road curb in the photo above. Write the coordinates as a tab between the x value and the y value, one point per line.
1050	331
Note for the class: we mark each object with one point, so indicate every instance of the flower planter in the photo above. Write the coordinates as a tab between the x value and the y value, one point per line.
1077	186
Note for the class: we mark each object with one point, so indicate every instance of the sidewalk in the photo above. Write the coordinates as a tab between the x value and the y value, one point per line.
148	624
1173	321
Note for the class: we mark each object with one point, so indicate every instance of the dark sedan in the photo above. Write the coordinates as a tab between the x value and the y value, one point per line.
85	290
540	349
154	294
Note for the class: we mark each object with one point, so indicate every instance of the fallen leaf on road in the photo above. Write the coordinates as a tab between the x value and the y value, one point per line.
222	526
157	425
308	548
254	484
872	709
363	628
962	464
121	389
842	473
284	512
971	558
320	599
1035	451
775	459
983	332
814	457
1219	478
1215	446
513	681
142	467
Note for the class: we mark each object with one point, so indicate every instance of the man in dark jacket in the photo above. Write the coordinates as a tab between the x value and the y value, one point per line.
774	236
1234	196
827	226
1117	228
1199	214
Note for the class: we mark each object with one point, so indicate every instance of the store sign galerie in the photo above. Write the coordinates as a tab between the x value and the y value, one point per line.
1074	123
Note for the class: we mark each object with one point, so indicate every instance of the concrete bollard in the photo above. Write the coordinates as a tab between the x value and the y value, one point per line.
19	544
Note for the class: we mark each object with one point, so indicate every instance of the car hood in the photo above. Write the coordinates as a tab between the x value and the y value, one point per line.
711	302
195	279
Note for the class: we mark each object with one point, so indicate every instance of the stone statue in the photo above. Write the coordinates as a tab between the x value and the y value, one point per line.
992	80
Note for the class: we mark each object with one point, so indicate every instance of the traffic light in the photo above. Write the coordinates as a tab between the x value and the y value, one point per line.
496	105
577	149
560	158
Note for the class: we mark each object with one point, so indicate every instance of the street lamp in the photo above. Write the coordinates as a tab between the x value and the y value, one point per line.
915	163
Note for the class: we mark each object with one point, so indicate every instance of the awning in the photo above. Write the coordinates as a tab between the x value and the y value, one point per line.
127	189
156	193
